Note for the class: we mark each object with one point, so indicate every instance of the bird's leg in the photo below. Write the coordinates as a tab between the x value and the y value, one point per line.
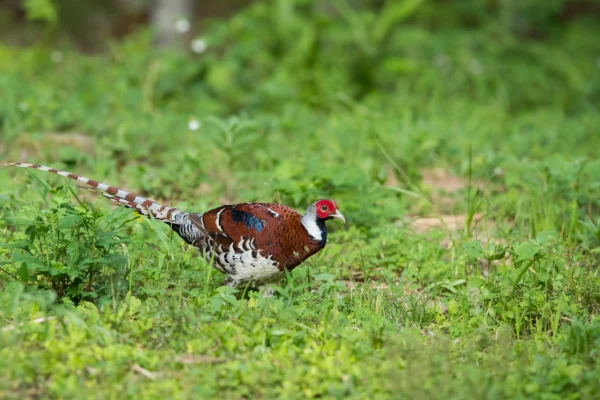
229	281
266	291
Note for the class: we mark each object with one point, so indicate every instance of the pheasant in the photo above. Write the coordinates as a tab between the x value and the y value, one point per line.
252	243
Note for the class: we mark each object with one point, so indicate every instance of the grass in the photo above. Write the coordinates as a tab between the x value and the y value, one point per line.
498	297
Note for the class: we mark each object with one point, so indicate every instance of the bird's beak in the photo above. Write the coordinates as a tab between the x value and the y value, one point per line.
338	215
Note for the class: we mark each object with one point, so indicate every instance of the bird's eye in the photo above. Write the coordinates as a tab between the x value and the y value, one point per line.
323	207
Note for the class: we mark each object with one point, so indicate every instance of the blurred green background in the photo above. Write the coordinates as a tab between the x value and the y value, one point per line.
459	138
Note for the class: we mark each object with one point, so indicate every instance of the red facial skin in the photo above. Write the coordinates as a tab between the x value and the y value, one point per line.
325	208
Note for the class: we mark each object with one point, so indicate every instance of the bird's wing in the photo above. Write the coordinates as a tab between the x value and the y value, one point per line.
242	224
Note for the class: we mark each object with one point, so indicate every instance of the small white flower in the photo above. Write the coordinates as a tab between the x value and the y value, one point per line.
199	45
57	56
475	67
182	25
441	61
193	124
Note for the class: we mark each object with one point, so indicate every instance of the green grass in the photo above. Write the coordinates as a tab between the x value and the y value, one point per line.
97	302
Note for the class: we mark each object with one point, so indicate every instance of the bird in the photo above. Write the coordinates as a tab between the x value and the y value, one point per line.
253	244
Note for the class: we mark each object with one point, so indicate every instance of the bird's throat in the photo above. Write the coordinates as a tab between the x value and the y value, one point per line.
315	227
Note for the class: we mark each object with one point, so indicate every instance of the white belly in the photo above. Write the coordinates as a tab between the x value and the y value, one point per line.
246	265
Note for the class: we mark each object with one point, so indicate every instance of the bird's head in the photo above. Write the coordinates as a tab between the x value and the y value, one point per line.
327	209
316	215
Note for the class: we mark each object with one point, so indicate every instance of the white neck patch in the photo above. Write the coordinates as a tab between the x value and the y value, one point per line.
310	224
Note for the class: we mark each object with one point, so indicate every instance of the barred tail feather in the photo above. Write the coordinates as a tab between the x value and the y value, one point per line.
179	220
142	205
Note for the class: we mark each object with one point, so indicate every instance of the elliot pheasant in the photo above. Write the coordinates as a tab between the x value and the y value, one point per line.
253	243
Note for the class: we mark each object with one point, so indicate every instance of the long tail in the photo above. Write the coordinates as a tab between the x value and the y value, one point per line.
141	204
